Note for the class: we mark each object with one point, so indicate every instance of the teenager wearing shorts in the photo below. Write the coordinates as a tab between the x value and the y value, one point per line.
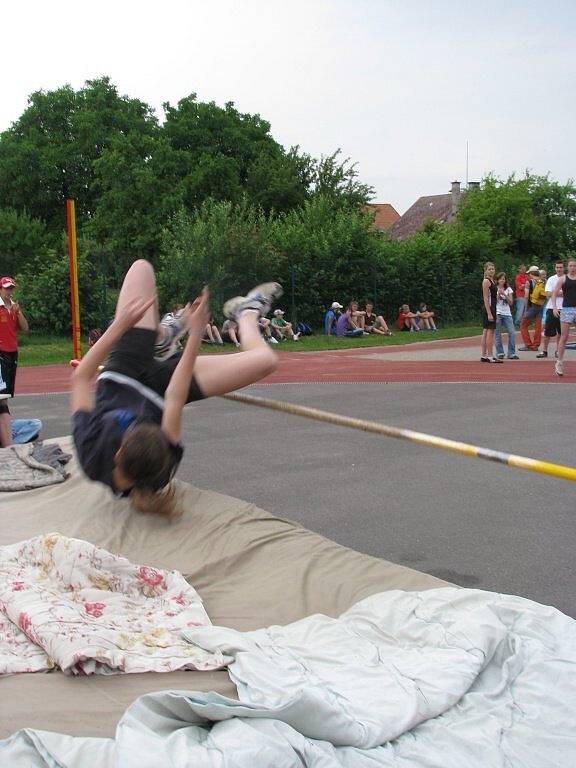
552	323
567	285
128	432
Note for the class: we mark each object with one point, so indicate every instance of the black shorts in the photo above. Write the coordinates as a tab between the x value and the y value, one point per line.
488	324
133	356
552	325
8	366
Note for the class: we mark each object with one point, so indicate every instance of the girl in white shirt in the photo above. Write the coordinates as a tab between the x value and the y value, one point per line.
504	301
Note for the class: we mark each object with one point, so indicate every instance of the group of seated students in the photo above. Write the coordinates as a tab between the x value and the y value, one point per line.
422	320
352	321
274	331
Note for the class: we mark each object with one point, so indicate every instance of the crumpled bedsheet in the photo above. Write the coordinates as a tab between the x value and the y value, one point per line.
447	678
32	465
66	603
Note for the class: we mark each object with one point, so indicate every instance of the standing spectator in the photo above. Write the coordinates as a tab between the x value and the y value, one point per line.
504	302
567	315
534	298
282	327
374	323
331	318
489	293
519	287
345	325
12	320
552	323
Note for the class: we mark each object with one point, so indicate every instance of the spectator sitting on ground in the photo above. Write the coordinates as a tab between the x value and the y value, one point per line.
266	330
345	325
229	332
425	318
331	318
357	316
406	319
212	334
374	323
282	328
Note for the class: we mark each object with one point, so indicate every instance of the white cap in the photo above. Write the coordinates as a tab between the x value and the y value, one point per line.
336	305
278	312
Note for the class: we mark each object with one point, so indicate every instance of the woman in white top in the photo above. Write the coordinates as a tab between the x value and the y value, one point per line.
504	301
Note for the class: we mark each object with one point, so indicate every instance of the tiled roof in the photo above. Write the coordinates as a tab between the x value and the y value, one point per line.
384	215
437	208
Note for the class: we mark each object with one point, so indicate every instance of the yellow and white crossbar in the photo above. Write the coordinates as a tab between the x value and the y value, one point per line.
474	451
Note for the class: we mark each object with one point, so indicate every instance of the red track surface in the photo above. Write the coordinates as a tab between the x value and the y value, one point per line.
355	366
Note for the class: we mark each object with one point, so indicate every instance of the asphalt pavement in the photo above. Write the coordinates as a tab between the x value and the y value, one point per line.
472	522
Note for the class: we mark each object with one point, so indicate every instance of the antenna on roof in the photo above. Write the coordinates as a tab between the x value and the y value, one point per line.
466	163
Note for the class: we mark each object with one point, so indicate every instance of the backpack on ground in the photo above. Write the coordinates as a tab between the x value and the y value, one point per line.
304	329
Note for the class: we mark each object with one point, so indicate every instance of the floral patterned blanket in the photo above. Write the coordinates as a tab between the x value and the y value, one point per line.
67	604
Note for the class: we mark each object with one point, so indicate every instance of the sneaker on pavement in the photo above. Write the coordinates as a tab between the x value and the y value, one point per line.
259	299
500	357
513	357
174	327
559	368
542	354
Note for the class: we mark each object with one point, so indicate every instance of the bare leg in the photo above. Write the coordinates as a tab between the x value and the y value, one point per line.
563	339
5	430
219	374
216	334
209	332
140	283
484	352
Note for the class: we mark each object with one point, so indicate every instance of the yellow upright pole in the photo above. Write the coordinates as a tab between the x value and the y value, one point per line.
73	261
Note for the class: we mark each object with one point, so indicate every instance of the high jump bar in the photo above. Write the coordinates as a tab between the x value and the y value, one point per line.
474	451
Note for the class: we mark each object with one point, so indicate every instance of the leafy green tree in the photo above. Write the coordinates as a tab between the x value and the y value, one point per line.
23	240
531	219
45	293
48	154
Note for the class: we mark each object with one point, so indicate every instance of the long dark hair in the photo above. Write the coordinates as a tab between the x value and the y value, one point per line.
502	274
145	459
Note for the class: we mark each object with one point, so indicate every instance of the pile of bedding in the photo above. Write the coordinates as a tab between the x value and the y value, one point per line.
439	679
65	603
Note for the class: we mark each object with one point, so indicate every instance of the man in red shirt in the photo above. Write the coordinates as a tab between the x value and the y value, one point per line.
519	292
11	321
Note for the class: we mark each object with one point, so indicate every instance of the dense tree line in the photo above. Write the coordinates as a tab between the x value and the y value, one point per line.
208	195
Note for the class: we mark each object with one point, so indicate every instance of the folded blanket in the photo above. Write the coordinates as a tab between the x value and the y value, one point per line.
32	465
67	603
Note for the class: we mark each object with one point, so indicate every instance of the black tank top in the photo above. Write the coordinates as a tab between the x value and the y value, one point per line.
569	293
493	296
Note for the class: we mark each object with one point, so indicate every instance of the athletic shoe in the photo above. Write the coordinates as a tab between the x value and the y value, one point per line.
500	357
496	360
5	396
259	299
513	357
559	368
542	354
296	337
272	340
485	360
174	327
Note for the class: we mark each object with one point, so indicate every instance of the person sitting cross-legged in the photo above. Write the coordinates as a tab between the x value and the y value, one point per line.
282	328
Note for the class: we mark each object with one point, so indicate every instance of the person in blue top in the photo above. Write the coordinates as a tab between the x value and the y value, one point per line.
331	318
128	432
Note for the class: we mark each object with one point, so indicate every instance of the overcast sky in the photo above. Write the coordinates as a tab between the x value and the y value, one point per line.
399	85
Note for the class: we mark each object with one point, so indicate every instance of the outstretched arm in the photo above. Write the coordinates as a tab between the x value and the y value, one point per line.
177	391
81	398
